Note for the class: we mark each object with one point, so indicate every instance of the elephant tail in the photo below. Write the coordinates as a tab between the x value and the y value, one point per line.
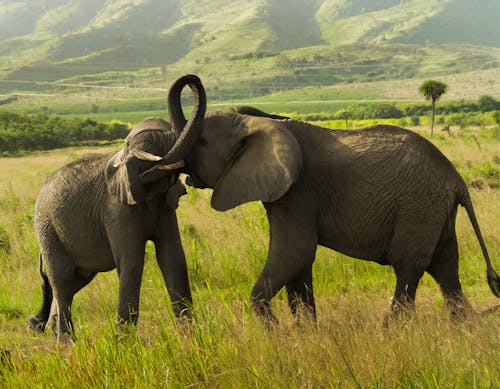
491	274
39	321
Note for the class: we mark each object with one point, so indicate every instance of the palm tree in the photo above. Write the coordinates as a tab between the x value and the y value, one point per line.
433	90
343	114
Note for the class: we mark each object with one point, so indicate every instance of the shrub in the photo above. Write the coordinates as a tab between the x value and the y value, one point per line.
496	117
43	132
4	240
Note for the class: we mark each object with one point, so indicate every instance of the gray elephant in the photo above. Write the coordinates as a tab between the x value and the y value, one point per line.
96	214
382	194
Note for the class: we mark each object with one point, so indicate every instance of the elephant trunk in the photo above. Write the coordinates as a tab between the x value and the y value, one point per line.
187	132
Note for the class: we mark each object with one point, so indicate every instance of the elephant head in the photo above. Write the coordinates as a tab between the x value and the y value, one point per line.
242	157
153	142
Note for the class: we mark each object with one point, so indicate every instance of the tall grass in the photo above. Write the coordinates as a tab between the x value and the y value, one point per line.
227	346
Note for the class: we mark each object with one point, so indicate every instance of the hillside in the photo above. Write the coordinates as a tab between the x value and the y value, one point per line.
241	48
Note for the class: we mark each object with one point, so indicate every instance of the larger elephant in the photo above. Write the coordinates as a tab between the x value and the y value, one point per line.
382	194
96	214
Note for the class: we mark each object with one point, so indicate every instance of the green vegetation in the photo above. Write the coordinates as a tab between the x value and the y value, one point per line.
229	347
60	47
22	132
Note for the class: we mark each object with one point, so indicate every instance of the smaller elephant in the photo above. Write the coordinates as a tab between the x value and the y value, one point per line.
96	214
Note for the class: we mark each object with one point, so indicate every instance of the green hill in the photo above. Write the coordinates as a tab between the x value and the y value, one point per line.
241	48
412	21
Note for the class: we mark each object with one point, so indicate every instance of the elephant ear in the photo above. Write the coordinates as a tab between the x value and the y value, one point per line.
267	164
123	180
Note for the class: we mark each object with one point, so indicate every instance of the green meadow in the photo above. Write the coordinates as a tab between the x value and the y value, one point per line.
227	346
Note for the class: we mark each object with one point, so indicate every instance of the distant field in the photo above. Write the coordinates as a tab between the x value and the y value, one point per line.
126	117
227	346
469	85
321	97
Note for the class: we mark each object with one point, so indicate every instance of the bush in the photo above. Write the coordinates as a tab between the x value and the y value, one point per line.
415	120
488	103
42	132
496	117
370	111
4	240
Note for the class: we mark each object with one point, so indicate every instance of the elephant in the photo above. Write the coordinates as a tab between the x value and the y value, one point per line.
382	194
96	214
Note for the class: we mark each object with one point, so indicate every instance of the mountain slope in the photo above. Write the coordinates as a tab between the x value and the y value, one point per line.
461	21
412	21
255	46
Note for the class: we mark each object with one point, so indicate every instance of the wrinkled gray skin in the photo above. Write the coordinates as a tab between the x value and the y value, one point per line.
382	194
96	214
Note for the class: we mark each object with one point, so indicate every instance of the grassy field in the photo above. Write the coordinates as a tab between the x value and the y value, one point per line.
227	346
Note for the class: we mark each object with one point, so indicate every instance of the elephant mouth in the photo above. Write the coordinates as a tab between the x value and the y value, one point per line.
195	181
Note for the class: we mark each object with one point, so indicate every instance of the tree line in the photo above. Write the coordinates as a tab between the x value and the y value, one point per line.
28	132
360	111
20	131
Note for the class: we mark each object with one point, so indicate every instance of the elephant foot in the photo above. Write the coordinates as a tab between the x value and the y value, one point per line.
182	312
309	321
185	321
305	316
65	339
36	325
262	309
6	362
269	319
271	322
399	315
127	320
459	309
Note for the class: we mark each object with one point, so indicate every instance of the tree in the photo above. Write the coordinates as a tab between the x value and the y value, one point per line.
488	103
344	115
433	90
496	117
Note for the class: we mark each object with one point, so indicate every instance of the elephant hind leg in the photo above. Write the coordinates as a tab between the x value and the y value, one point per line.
407	279
64	291
444	269
410	255
38	321
412	249
65	286
301	296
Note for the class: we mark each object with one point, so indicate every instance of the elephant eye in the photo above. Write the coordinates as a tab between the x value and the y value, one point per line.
202	141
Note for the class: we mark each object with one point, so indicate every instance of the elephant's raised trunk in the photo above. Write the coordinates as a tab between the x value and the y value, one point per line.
189	131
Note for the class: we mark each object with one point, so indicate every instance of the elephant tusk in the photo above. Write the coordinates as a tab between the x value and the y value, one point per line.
172	166
118	159
145	156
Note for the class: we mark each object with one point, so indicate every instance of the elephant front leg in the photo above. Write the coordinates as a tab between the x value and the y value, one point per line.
292	251
130	277
172	262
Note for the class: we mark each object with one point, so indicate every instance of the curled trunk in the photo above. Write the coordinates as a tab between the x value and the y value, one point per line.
188	131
